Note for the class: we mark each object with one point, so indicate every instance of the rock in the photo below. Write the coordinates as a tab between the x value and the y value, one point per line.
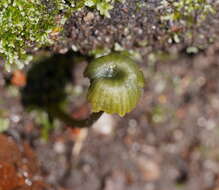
19	167
149	168
9	178
89	17
116	181
104	125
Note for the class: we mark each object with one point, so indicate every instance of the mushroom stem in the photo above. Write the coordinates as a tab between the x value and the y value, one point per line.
57	112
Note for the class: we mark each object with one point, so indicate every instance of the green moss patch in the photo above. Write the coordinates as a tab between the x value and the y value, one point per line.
26	26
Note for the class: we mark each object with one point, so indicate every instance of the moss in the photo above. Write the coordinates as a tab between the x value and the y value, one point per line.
103	6
26	26
182	18
186	12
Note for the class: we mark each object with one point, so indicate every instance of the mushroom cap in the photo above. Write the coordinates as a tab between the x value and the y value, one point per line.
116	84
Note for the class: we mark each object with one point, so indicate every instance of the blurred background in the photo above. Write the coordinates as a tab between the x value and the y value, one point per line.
169	141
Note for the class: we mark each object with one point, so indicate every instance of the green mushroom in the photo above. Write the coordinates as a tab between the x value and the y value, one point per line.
116	84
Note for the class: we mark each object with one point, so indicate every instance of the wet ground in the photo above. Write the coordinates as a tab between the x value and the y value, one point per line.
169	142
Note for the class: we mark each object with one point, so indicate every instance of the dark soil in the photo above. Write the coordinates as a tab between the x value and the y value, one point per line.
135	28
